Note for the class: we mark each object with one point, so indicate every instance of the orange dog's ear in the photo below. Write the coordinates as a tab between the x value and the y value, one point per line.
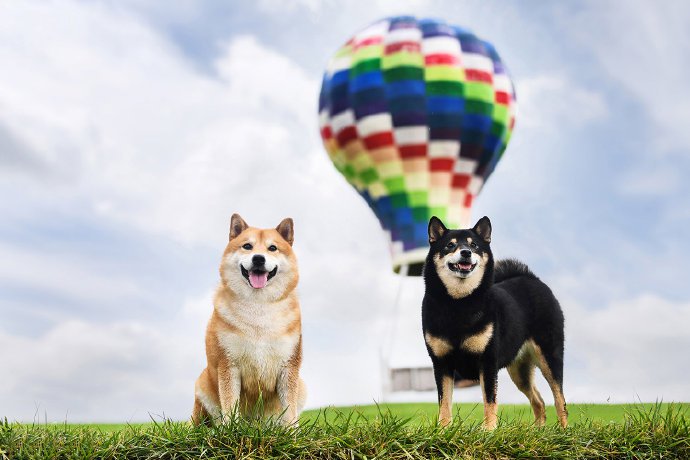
237	226
286	230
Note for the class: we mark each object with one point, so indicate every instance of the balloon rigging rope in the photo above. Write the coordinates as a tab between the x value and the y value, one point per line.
394	320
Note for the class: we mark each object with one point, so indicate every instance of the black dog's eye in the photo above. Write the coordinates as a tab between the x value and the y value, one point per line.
451	245
272	248
247	246
473	245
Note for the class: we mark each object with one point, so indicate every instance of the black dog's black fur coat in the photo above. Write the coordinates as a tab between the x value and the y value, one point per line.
511	319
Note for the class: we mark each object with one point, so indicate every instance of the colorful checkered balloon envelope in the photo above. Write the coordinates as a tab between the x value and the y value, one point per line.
415	113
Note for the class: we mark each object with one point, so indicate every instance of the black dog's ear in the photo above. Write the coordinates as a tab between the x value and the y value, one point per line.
237	225
483	229
286	230
436	229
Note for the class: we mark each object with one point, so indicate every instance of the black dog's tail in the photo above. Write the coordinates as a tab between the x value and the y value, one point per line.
511	268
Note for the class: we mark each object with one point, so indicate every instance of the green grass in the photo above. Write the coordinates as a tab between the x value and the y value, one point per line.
394	431
425	413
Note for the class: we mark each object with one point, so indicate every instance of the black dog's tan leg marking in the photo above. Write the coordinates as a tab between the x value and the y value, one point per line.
489	384
553	374
445	407
521	371
444	385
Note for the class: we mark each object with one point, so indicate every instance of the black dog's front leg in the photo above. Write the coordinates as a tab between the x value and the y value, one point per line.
488	378
443	374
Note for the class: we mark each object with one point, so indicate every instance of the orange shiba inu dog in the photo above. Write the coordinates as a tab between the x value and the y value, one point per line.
254	336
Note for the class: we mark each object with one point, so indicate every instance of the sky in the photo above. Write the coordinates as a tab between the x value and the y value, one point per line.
130	131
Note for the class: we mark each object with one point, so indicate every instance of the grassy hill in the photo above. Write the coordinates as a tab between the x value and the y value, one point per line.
426	413
388	431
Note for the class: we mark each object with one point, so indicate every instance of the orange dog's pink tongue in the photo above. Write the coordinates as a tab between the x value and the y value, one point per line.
258	280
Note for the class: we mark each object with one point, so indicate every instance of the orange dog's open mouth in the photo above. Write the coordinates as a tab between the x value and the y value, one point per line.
258	278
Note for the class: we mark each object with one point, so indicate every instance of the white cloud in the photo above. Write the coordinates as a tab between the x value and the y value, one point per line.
266	82
650	180
62	274
645	48
134	130
317	6
280	6
68	84
631	349
86	371
549	102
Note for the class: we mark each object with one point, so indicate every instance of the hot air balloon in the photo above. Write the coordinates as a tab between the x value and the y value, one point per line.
415	113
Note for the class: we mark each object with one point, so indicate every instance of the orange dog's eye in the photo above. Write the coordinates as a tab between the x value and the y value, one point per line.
272	248
247	246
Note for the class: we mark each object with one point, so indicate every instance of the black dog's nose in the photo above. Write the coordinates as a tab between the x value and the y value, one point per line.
465	253
258	260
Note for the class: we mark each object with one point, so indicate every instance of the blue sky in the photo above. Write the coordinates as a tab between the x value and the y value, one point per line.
131	131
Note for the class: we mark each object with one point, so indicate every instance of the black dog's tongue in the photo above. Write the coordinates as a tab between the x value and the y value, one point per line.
465	266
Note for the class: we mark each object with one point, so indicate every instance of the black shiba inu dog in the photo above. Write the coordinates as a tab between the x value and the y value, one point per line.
478	318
